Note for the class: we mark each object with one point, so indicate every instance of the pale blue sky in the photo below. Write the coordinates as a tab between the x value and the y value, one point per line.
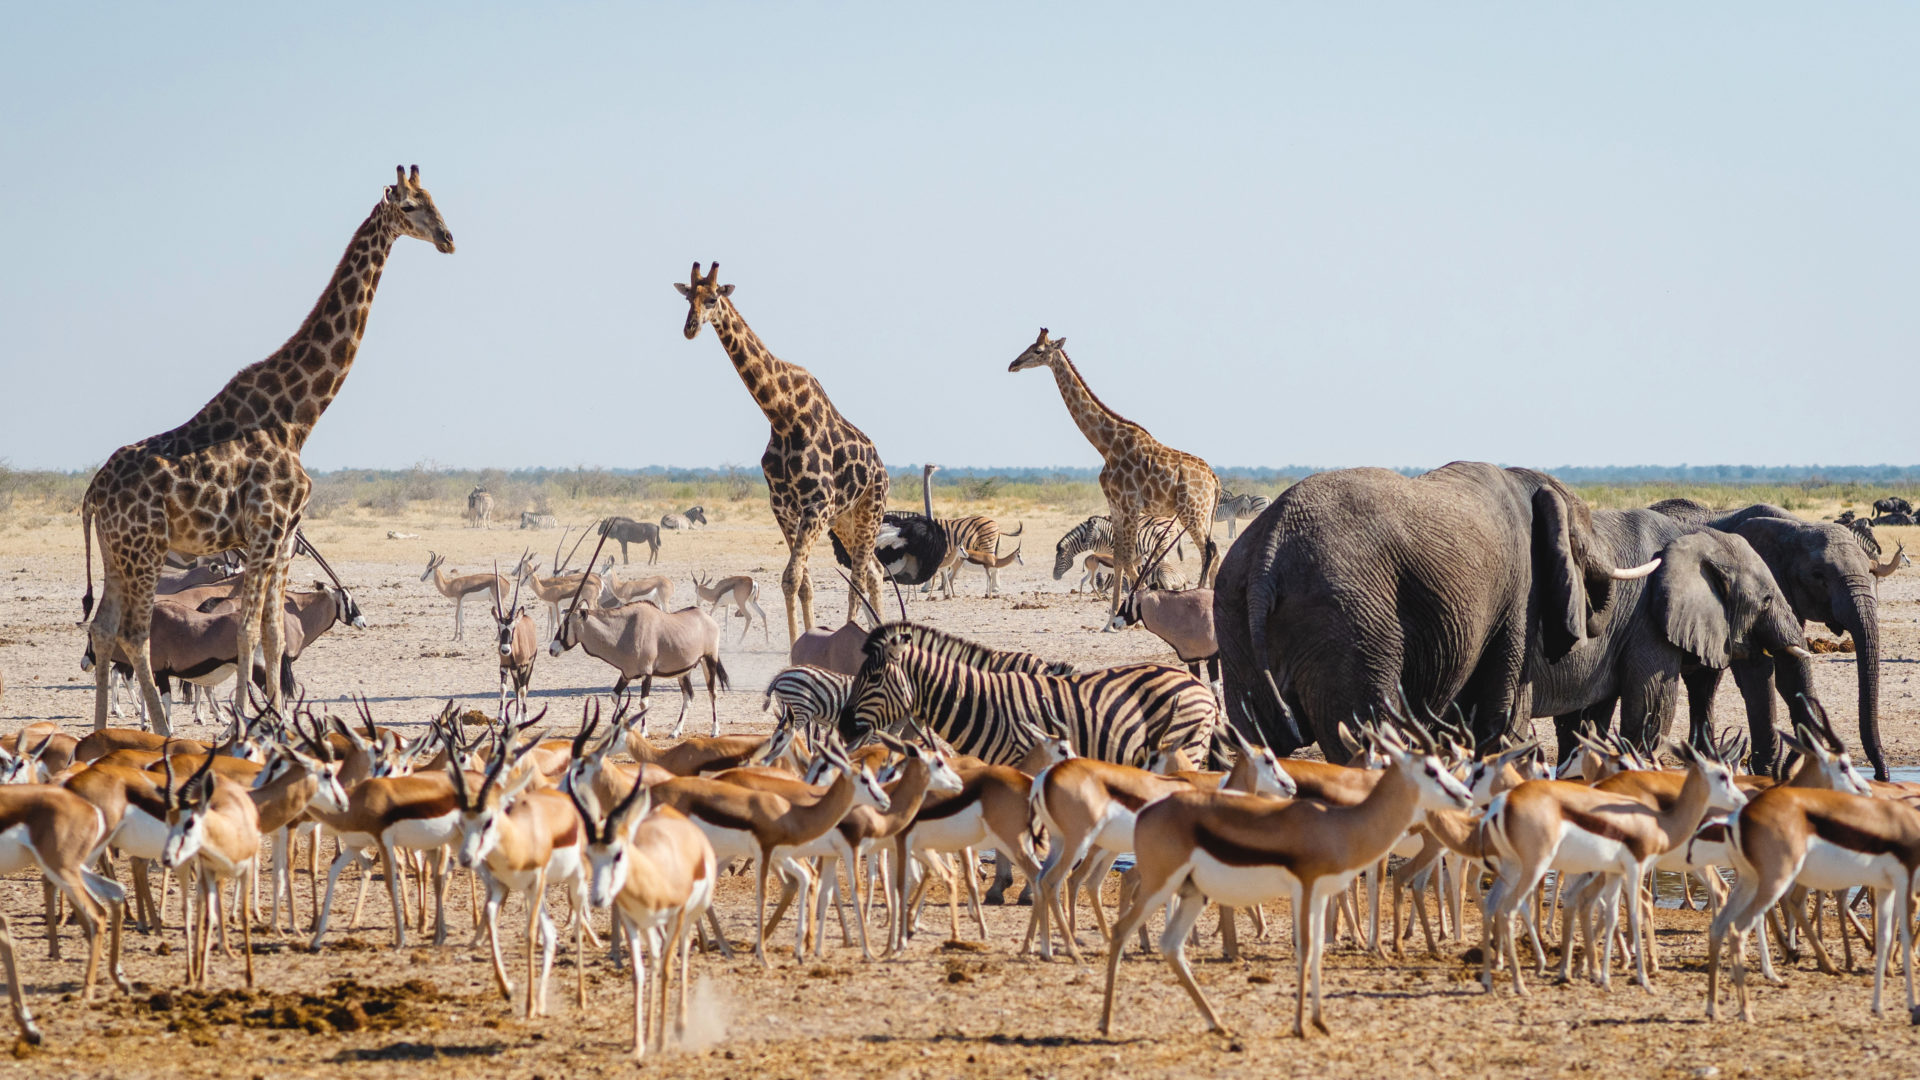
1387	234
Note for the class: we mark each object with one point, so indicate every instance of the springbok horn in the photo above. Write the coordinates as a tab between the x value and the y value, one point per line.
1636	573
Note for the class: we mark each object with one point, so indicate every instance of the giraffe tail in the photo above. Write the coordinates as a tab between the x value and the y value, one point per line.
86	532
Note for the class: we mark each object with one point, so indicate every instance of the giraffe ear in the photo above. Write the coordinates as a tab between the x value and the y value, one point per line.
685	289
726	290
1059	343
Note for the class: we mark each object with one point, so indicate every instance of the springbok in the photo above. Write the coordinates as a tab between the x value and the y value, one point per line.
519	647
740	591
458	588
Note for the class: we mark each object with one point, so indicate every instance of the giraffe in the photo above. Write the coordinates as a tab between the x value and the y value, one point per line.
1142	477
822	472
230	478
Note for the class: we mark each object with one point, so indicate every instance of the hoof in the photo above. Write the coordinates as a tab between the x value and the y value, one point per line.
1913	1016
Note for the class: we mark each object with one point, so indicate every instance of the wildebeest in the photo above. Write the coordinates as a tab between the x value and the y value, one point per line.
626	531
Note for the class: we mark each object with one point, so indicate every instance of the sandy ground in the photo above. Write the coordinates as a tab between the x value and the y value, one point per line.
941	1011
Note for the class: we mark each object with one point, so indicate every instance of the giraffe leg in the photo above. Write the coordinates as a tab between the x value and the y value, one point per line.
859	529
273	621
795	584
136	625
1198	522
105	634
253	600
1126	559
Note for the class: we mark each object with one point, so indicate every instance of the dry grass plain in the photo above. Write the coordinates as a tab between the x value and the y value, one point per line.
973	1010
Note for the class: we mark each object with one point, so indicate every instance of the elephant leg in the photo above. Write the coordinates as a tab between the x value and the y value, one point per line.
1494	696
1754	676
1702	684
1647	705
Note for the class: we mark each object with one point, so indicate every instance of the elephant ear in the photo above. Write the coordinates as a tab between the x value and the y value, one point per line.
1690	601
1559	579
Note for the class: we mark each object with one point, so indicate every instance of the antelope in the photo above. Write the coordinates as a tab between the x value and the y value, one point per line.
1894	562
773	830
840	651
1788	836
1241	849
519	647
54	749
480	508
559	587
519	840
213	826
740	591
58	833
394	813
992	807
457	589
1575	829
921	773
641	641
656	870
293	783
657	588
1088	808
196	645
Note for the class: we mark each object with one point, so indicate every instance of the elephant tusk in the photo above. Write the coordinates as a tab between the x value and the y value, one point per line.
1636	573
1799	653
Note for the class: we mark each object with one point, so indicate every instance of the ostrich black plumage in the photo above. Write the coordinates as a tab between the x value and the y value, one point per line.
911	546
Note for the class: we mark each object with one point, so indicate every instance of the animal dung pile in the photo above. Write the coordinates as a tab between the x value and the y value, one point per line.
1829	645
345	1006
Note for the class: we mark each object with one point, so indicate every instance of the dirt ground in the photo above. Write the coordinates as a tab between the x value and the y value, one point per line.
973	1009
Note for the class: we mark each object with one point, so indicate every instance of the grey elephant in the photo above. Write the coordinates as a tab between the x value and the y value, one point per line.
1828	577
1360	588
1712	601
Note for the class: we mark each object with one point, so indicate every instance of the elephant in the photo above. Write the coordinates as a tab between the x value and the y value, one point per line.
1827	576
1713	600
1334	604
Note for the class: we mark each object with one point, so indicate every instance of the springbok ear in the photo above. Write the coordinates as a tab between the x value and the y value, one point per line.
685	289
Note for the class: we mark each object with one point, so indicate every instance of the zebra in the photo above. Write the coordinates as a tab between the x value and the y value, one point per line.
808	695
973	539
1234	507
1125	714
1096	534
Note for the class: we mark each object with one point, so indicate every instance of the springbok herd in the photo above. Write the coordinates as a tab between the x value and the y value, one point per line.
904	752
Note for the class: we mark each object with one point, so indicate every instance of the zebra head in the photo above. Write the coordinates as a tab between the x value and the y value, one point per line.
881	698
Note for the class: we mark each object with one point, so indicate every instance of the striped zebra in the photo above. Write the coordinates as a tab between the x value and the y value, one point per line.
1096	535
808	695
1121	714
1234	507
973	539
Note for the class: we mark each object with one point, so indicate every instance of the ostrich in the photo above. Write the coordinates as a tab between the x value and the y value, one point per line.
911	546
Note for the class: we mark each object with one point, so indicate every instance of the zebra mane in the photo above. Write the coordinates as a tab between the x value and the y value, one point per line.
960	650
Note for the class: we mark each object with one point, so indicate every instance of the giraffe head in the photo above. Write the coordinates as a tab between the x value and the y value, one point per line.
412	208
703	297
1038	354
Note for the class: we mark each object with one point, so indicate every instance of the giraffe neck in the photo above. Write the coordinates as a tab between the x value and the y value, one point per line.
755	363
286	393
1098	423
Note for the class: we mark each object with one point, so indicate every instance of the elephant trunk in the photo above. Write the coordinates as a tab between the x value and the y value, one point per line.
1858	614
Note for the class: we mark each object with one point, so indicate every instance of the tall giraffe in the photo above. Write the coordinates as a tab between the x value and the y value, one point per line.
822	472
1142	477
231	477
